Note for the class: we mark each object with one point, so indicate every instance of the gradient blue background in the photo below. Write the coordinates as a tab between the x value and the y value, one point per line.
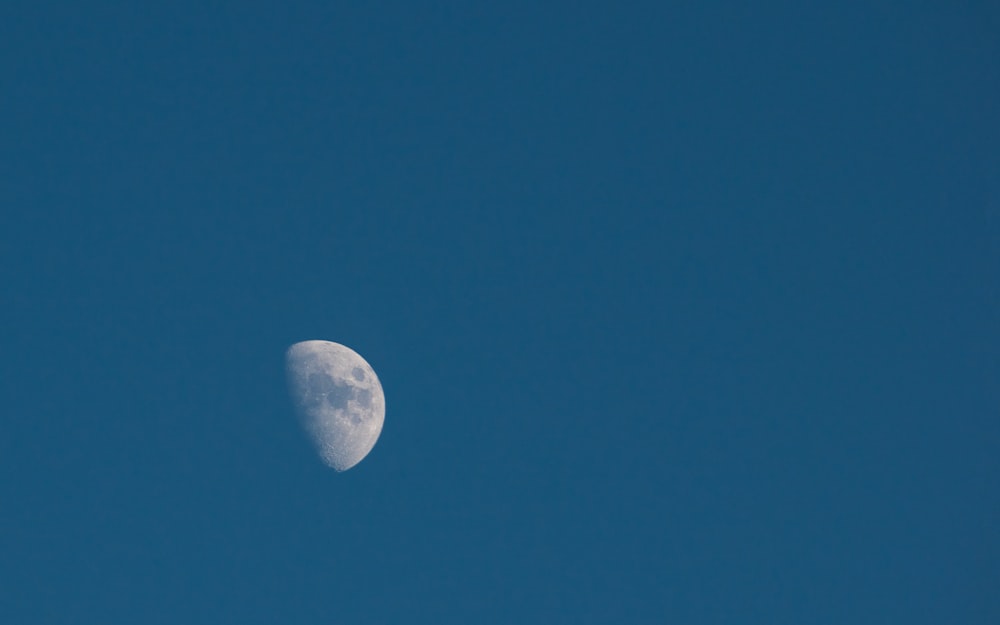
685	313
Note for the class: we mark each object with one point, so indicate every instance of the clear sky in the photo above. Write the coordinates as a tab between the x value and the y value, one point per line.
685	312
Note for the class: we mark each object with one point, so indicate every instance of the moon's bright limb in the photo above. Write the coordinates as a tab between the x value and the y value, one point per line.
338	399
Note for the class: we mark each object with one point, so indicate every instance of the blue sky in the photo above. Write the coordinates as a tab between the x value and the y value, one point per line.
684	313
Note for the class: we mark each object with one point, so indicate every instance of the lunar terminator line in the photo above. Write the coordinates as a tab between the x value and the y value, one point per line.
338	399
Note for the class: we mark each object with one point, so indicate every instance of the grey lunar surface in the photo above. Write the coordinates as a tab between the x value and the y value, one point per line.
338	399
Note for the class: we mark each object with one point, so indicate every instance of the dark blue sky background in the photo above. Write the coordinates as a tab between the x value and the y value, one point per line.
685	313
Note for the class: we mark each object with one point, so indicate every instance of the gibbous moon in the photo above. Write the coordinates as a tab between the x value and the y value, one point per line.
338	399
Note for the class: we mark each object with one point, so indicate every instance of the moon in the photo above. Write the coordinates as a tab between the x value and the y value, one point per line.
338	399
